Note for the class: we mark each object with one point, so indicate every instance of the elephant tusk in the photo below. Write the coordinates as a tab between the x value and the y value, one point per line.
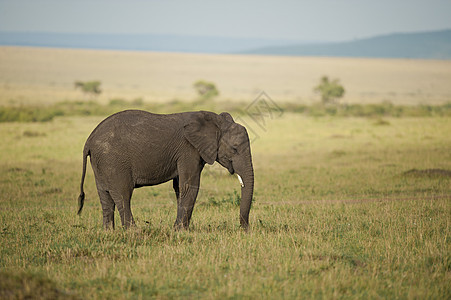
241	180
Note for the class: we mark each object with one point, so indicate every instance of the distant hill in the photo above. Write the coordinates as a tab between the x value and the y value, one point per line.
428	45
140	42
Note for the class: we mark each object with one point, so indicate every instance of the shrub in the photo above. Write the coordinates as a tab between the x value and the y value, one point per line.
89	87
205	89
330	90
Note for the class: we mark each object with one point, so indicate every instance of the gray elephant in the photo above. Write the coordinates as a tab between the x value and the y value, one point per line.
133	148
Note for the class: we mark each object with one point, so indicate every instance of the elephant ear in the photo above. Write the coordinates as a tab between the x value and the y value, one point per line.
227	117
203	134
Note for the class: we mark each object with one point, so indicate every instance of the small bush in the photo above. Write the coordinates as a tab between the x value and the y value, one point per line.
330	91
89	87
205	89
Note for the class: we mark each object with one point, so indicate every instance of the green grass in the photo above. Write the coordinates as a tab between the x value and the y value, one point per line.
14	113
337	214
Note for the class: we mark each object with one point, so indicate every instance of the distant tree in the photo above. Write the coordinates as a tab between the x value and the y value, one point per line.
89	87
205	89
330	91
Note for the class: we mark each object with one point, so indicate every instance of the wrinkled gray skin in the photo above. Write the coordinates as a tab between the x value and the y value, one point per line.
134	148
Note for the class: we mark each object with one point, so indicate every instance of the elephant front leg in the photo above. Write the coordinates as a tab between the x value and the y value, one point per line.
188	191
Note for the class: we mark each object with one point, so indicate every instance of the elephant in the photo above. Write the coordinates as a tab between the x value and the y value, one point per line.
135	148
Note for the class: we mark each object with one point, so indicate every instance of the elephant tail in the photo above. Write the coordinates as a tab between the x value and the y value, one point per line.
81	198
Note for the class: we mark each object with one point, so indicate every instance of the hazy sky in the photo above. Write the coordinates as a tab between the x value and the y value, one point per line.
303	20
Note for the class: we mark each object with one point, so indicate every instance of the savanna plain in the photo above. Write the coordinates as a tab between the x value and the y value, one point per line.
346	205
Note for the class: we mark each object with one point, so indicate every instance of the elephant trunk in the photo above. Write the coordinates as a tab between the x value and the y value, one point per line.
247	191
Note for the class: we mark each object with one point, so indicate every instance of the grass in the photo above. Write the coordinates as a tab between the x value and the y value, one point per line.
91	108
351	201
338	213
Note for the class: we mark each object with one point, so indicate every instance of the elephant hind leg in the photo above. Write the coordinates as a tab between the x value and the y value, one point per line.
108	209
175	186
121	197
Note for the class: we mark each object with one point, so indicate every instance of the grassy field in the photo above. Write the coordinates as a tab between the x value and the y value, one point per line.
351	201
40	75
344	208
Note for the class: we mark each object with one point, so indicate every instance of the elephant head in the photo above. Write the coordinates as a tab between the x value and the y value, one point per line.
219	138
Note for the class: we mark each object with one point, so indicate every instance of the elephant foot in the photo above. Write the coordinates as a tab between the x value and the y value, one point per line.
179	226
